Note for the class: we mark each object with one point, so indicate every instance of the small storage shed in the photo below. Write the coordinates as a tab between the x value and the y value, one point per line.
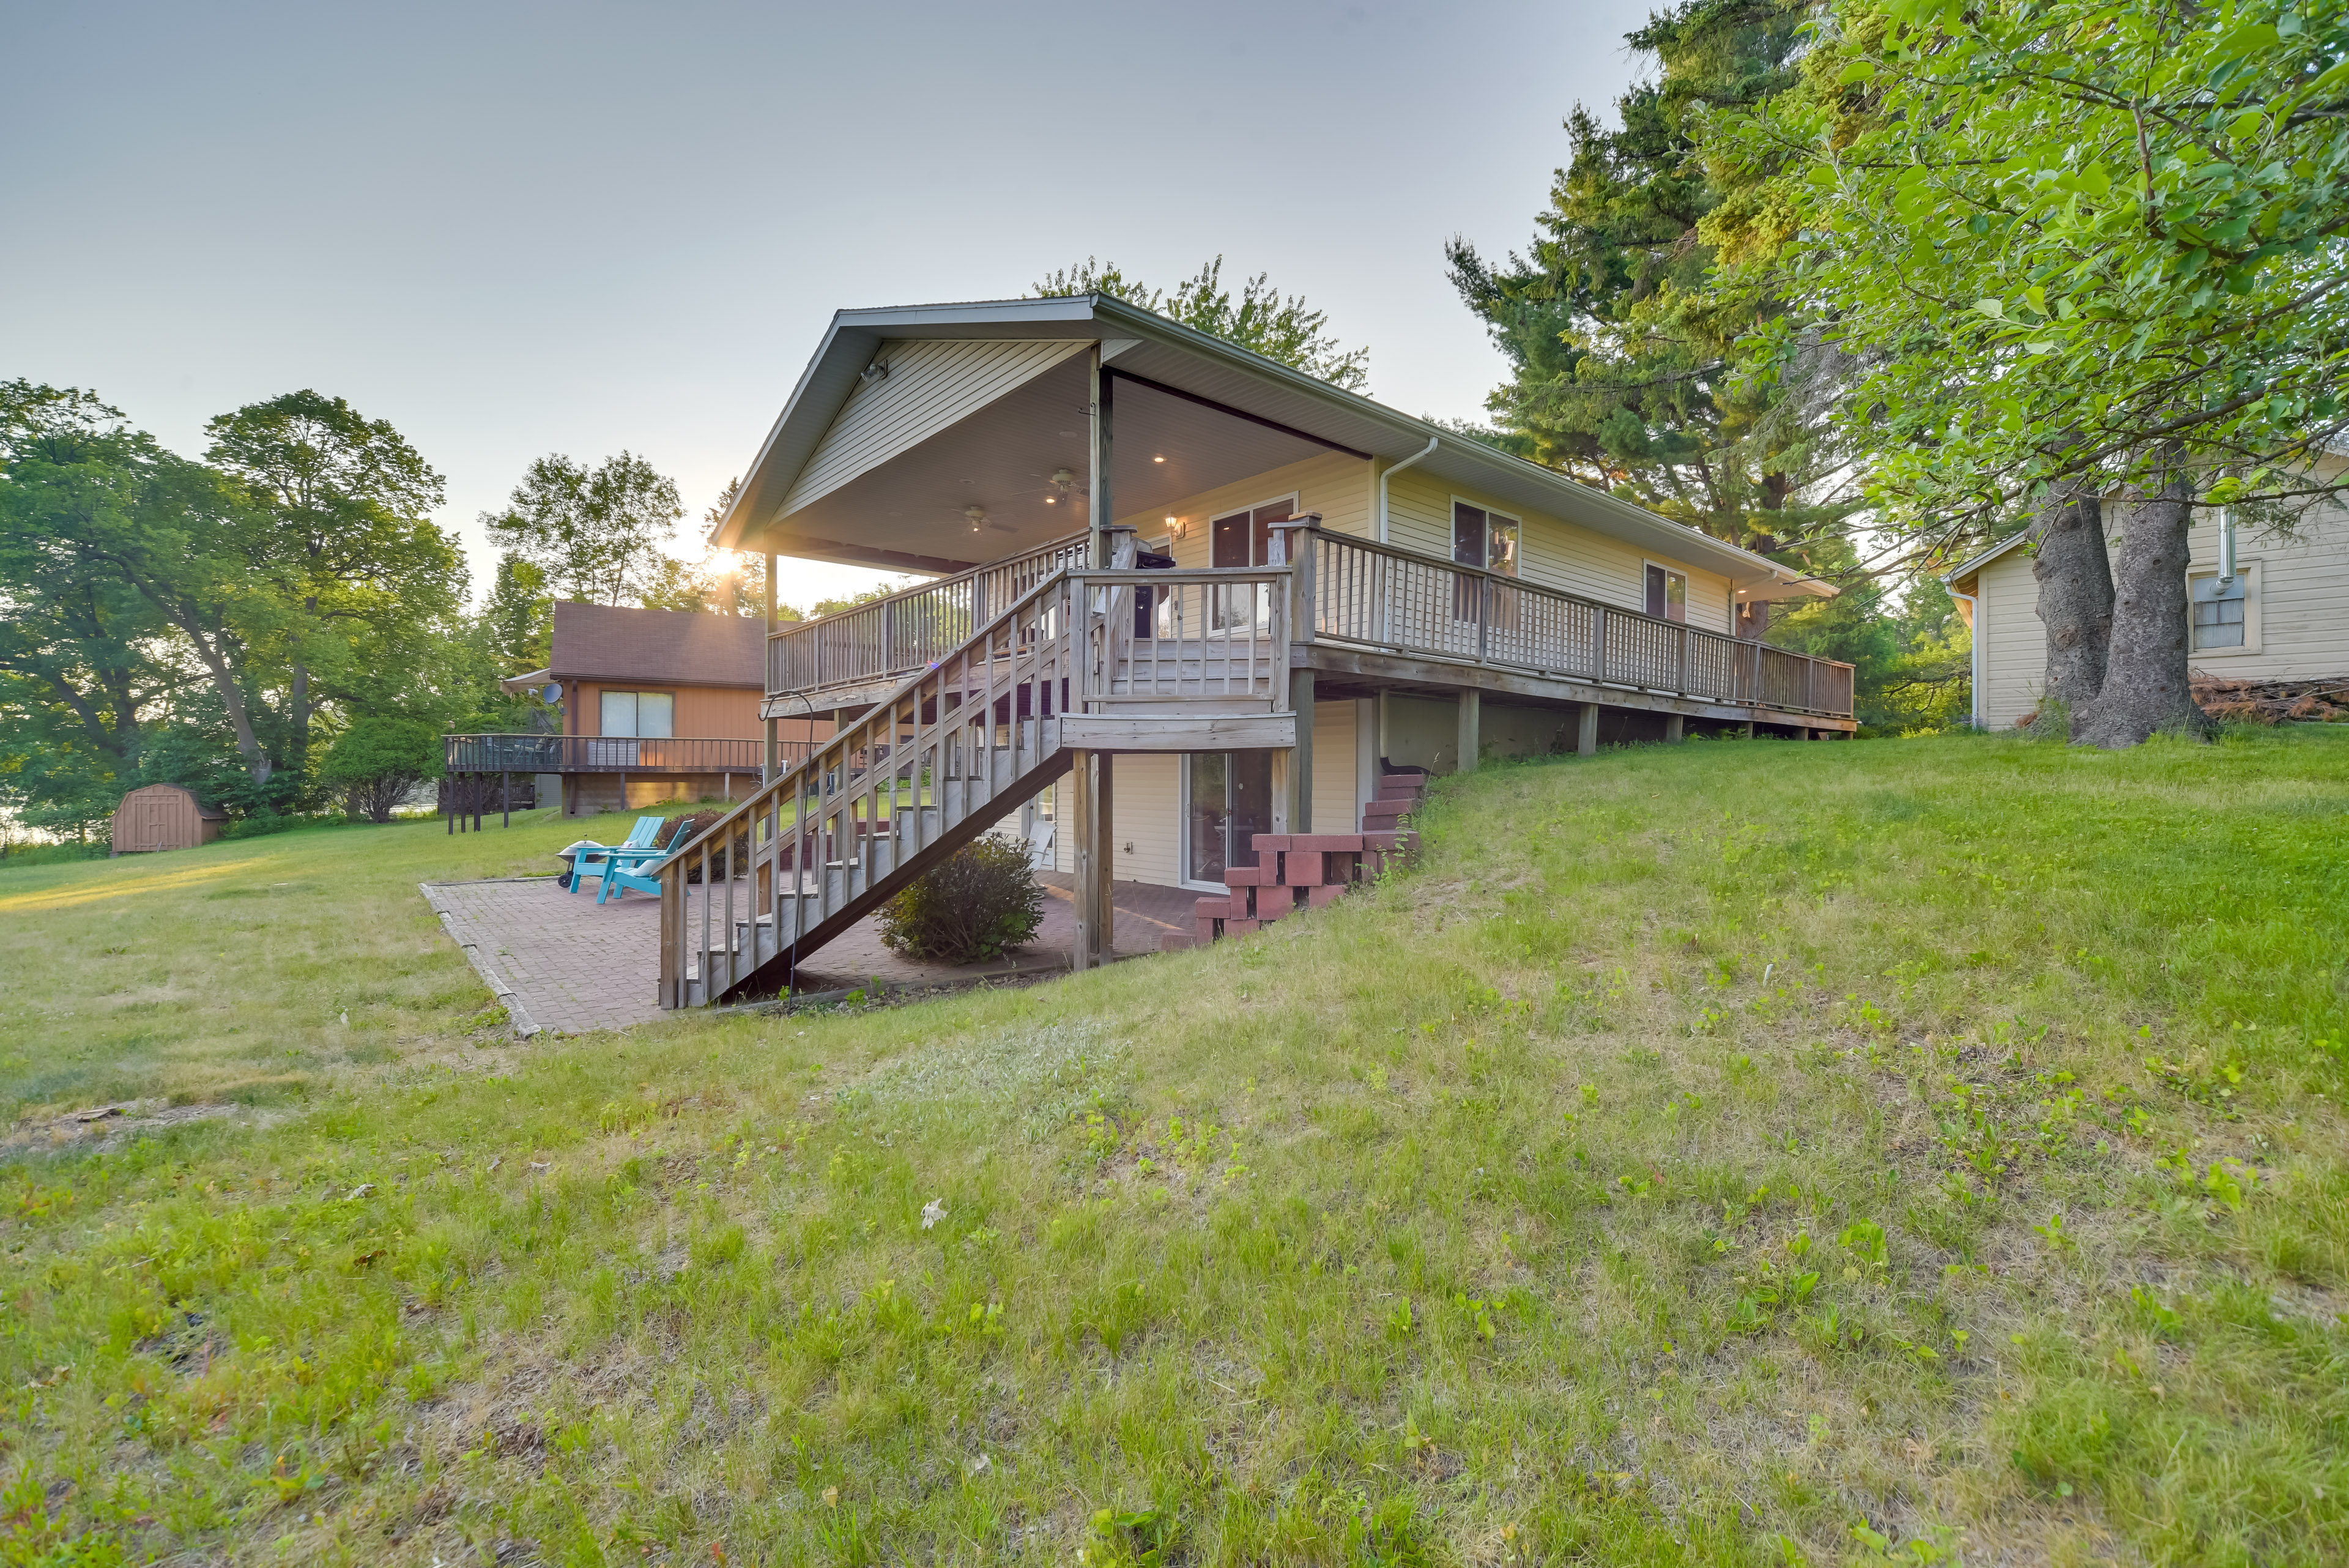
164	817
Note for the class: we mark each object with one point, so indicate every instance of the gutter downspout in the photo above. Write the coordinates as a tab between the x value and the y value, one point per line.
1427	451
1973	653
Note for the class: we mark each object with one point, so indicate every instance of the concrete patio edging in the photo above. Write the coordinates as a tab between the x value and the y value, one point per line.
517	1015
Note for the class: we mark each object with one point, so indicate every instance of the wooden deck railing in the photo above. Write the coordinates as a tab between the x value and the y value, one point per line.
1374	596
908	630
609	754
1362	594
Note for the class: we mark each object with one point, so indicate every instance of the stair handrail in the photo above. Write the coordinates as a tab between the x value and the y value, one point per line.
825	760
887	613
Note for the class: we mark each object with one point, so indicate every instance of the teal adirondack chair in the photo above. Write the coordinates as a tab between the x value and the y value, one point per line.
641	869
588	855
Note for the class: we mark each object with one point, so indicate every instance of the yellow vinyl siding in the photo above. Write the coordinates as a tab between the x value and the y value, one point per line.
1336	803
1553	553
1145	811
2012	639
1335	485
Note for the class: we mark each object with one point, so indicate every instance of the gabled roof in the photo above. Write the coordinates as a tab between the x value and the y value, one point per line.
680	648
1955	576
1183	363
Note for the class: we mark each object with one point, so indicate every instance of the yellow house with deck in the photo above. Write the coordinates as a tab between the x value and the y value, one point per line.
1177	595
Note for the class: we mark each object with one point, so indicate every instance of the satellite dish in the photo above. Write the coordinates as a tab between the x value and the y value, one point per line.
552	692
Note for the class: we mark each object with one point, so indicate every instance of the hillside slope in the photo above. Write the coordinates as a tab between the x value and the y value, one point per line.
1734	1153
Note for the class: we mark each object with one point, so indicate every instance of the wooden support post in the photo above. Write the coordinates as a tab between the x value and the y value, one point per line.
1301	768
480	788
505	799
1749	729
1083	846
1586	732
770	758
1106	855
1675	728
1472	714
1099	505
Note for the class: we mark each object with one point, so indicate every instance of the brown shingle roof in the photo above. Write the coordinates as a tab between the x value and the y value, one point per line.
603	642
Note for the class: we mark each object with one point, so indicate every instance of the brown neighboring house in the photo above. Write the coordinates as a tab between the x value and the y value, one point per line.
658	705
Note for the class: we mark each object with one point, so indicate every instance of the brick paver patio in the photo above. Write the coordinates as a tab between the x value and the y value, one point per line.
561	961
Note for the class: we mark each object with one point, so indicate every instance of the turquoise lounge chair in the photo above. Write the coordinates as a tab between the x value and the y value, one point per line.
641	869
587	855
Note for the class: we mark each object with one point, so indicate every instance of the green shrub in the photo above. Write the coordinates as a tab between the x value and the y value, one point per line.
981	903
379	760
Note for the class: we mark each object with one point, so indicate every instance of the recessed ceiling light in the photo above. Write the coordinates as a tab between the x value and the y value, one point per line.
1158	460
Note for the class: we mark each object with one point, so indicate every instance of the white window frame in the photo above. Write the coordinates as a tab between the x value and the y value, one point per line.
1183	878
1452	522
2247	568
1217	513
637	724
1670	572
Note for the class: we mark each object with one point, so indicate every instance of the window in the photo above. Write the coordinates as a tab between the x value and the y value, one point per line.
2218	606
1227	800
1490	540
1667	593
1244	538
1486	539
647	715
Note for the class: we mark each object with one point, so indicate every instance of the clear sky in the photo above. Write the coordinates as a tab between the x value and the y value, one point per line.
513	230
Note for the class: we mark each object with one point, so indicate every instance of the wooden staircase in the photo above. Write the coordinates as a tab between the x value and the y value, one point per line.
1073	666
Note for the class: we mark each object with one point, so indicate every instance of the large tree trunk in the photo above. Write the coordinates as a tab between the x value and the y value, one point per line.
2075	596
2145	687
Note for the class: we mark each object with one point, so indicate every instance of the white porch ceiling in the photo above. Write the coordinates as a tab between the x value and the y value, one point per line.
909	511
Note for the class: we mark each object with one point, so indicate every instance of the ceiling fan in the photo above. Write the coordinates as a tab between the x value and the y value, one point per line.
1059	489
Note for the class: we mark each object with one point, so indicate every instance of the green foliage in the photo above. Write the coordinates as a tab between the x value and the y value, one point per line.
336	526
1623	365
982	902
168	616
518	617
1262	320
598	535
2060	240
1911	661
379	760
81	646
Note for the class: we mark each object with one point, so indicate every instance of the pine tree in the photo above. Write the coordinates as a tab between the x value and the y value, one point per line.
1623	370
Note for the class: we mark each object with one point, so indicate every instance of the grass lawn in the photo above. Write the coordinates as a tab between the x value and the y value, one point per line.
1742	1153
228	973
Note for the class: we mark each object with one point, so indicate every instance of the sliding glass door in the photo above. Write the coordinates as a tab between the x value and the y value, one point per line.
1227	800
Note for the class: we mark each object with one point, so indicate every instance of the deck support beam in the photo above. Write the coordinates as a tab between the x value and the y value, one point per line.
1094	865
1675	728
1300	792
1586	730
1472	717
